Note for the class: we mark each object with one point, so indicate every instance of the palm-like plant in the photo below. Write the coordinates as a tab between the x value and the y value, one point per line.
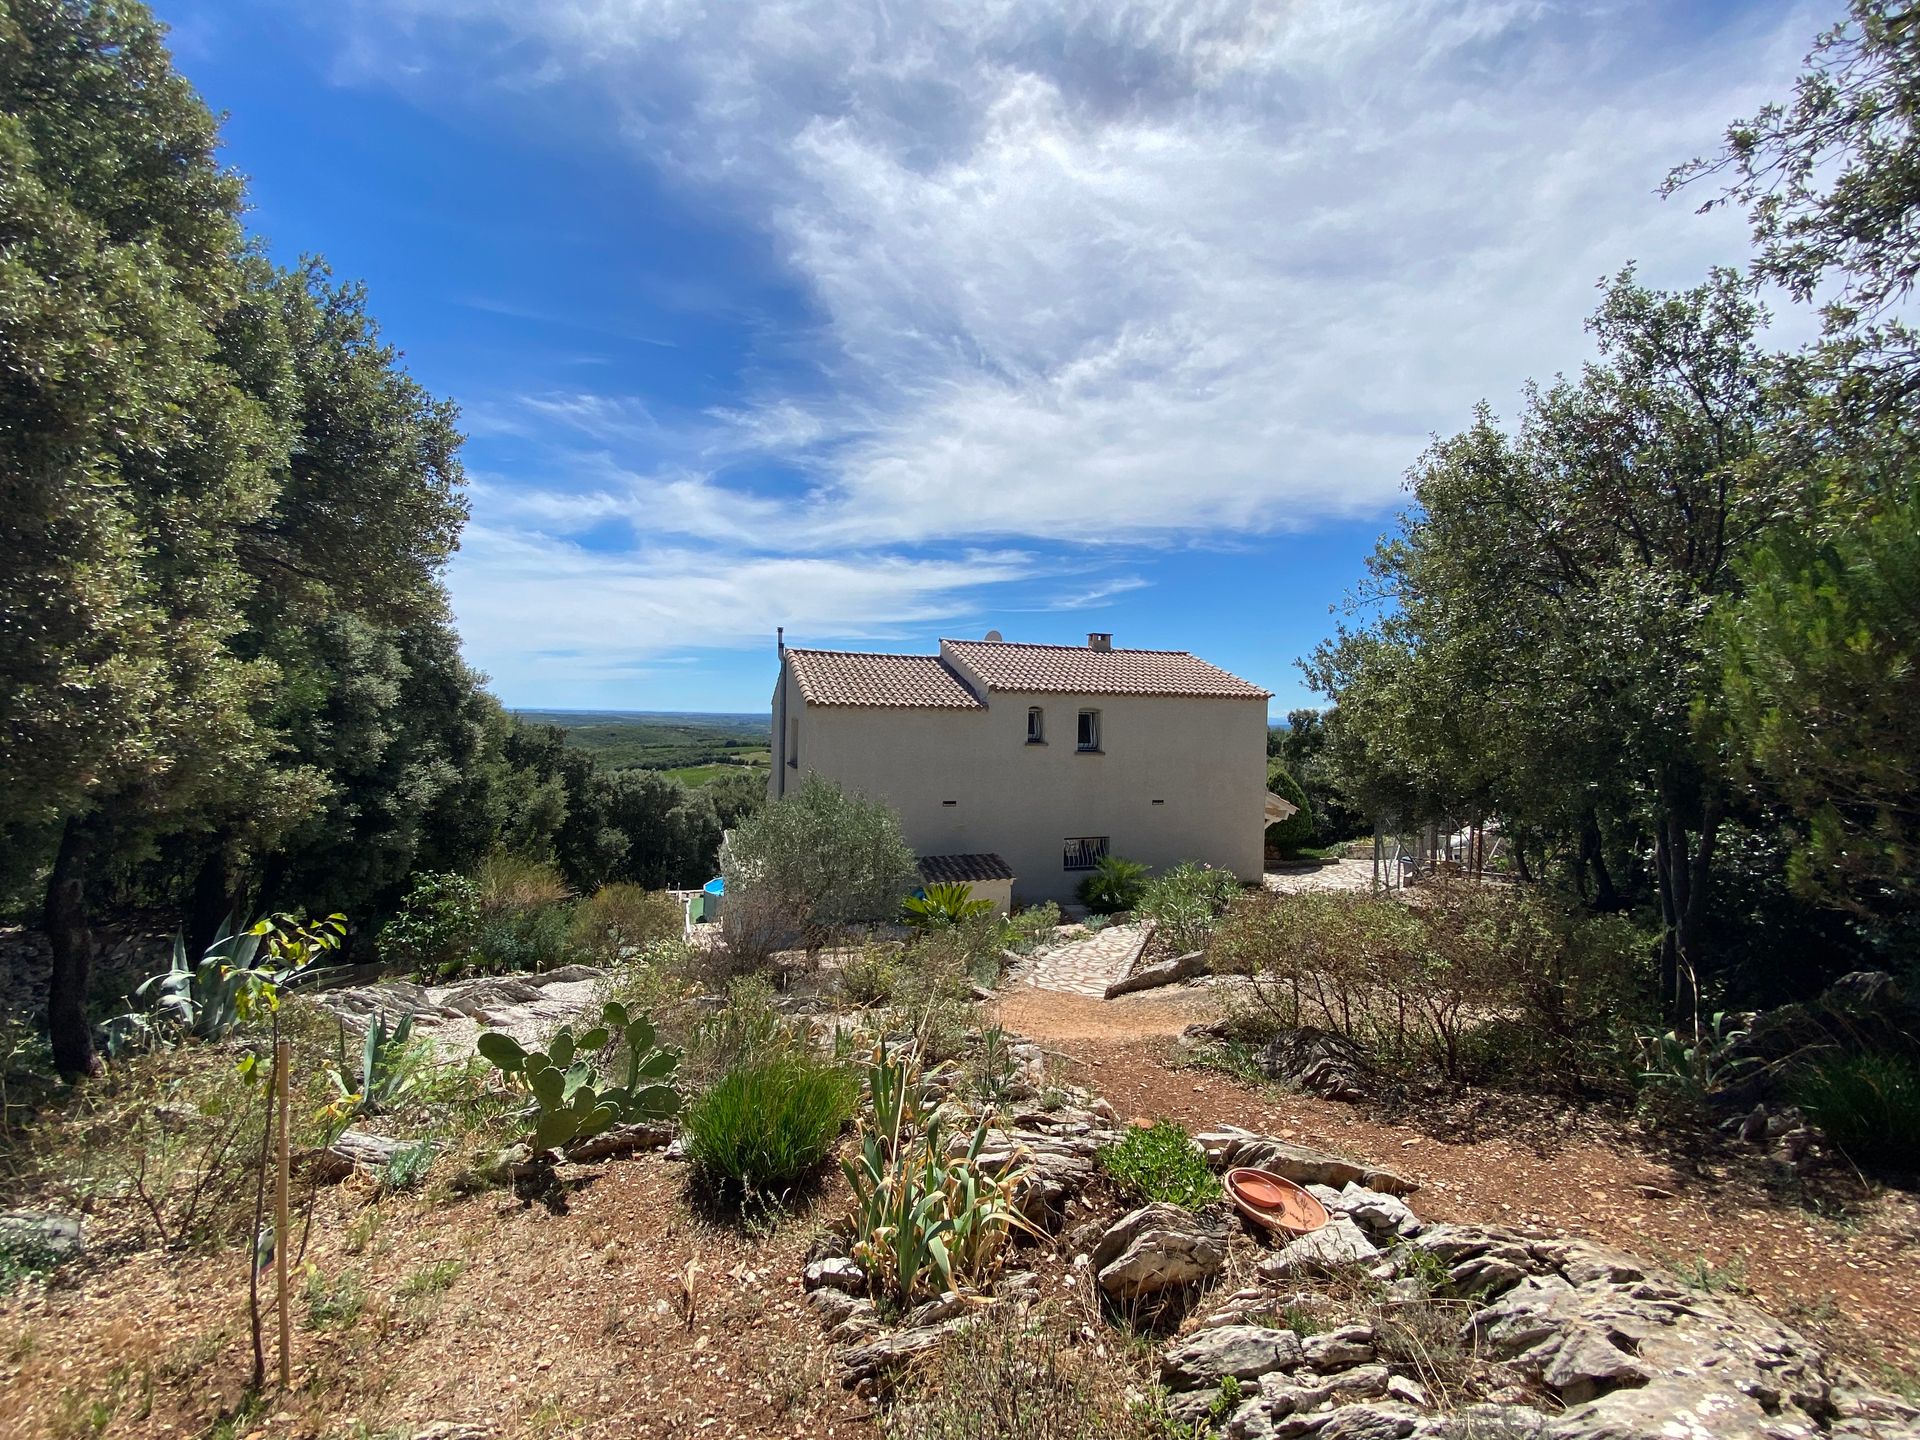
1116	884
938	906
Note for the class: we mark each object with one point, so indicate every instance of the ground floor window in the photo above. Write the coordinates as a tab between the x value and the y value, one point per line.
1085	851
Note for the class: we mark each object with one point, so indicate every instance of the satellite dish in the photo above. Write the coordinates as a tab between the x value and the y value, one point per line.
995	635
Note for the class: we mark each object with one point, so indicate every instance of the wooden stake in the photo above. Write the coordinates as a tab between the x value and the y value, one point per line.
282	1226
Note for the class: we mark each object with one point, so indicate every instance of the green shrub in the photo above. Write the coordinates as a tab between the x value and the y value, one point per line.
933	997
617	920
1284	837
517	940
869	977
1033	926
1414	984
768	1125
408	1166
1115	884
438	924
1162	1164
1186	903
1868	1104
747	1028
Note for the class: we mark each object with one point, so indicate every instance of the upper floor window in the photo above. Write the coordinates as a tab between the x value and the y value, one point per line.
1089	737
1036	725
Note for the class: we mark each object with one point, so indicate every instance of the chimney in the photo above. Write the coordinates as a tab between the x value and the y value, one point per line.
1099	640
780	640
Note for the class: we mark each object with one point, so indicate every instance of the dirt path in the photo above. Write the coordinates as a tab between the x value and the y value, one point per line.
1851	1280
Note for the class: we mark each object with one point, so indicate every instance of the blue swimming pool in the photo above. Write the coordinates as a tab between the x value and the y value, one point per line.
716	886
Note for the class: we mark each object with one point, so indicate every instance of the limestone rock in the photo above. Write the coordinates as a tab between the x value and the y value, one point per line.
834	1273
1166	972
1410	1392
1586	1363
894	1352
1160	1248
43	1235
1680	1409
1375	1211
1369	1422
1474	1422
1058	1151
1339	1243
1339	1349
1230	1145
1242	1351
620	1140
1317	1061
834	1306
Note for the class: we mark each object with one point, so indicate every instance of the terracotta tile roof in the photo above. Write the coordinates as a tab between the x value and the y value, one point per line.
858	677
1074	669
963	869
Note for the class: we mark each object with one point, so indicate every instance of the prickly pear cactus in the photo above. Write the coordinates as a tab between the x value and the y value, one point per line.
571	1100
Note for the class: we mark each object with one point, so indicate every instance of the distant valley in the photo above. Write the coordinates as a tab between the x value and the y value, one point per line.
693	747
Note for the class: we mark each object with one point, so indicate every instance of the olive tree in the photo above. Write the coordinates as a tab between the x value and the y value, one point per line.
826	856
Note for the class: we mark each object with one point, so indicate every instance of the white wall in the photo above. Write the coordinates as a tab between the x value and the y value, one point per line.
1205	760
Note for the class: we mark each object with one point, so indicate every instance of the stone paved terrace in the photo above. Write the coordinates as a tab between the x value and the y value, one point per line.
1087	965
1083	966
1341	875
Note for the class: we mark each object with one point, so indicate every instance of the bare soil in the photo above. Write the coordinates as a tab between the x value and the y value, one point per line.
1850	1276
491	1311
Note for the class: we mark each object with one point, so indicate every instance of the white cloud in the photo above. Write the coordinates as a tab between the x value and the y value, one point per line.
553	612
1117	272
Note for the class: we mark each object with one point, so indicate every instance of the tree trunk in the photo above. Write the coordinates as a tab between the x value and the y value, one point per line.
65	922
1685	866
215	900
1663	865
1594	852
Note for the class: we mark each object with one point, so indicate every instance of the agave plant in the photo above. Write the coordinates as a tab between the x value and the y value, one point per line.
938	906
570	1101
206	999
388	1067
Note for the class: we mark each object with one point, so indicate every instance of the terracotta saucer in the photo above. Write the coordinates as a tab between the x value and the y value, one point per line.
1274	1202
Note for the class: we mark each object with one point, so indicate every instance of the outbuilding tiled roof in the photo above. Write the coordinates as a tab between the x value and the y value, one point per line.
963	869
1074	669
858	677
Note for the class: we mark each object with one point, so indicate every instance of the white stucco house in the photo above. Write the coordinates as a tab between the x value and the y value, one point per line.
1014	767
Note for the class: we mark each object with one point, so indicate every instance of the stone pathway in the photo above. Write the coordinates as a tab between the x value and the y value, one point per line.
1341	875
1085	966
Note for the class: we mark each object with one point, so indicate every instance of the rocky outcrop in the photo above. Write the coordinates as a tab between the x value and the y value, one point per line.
1159	1249
1382	1216
39	1237
1056	1152
1337	1245
1589	1343
1316	1061
1229	1145
1242	1351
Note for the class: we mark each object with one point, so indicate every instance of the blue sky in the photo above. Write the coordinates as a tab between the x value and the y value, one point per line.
891	321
